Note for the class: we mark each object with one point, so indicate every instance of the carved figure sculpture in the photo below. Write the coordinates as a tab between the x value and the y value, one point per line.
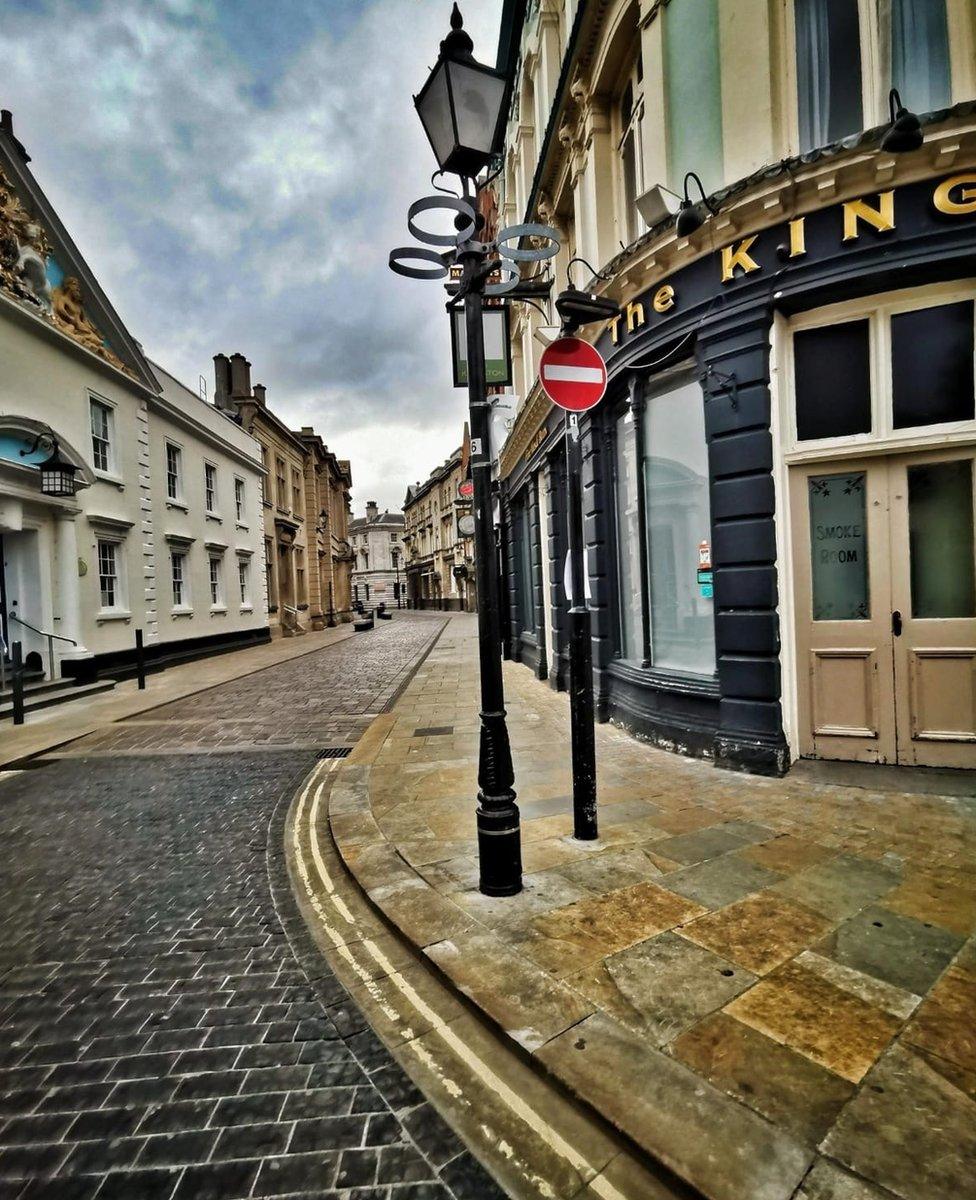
69	315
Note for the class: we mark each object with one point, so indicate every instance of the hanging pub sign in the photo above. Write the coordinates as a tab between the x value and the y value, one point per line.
498	346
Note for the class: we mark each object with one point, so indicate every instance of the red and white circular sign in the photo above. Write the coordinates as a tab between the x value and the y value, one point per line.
573	374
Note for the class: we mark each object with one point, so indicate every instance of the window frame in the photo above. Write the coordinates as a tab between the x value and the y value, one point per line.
120	604
240	501
211	495
244	582
110	469
185	602
177	495
216	582
875	42
634	77
883	436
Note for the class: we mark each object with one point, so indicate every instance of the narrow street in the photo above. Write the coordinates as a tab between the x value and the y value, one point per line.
160	1035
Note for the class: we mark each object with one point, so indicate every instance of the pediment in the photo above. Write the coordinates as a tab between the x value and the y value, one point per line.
42	270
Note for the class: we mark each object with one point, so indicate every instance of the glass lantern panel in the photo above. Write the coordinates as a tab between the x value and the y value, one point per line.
434	107
478	96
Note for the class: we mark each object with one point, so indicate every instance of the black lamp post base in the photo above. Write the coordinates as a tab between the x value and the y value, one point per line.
499	845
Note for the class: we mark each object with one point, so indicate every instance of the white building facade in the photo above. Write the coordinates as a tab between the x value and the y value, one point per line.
378	575
163	532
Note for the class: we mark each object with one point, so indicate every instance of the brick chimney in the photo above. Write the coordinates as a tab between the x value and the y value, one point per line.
260	394
221	396
372	510
240	377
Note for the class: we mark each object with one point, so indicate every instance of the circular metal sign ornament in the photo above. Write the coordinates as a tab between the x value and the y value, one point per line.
451	204
573	374
466	525
515	233
465	489
440	271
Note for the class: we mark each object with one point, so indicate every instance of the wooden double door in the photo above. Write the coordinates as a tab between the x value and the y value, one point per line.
885	590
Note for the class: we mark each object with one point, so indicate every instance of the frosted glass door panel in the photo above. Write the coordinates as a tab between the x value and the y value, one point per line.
839	548
628	542
940	533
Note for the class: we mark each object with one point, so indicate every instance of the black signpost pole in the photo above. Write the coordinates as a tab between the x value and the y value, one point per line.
580	650
499	835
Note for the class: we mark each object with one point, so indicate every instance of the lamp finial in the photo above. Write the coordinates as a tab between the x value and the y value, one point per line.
457	44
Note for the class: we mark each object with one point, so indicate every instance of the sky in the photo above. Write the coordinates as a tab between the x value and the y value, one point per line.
235	173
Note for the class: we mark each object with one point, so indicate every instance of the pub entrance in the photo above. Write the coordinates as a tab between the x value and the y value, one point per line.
885	593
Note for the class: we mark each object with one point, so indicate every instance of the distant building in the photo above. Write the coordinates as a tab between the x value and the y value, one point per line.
305	505
378	574
440	558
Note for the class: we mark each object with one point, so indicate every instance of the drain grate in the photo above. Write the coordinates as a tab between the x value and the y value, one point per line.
434	731
335	752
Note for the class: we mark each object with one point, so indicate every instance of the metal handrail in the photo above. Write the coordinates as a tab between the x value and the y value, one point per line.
59	636
51	638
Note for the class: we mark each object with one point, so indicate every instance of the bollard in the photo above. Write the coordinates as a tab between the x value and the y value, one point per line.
17	683
140	662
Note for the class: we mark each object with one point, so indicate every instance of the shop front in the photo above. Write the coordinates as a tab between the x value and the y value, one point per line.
779	486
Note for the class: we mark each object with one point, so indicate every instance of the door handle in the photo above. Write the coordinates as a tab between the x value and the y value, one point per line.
896	623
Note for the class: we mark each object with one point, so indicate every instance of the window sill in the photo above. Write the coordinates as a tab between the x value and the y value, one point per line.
245	528
247	608
661	679
180	612
110	477
211	516
112	614
177	504
218	610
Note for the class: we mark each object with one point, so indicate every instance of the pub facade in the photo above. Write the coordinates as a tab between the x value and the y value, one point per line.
778	488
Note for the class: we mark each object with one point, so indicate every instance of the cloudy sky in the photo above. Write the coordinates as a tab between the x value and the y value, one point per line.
235	173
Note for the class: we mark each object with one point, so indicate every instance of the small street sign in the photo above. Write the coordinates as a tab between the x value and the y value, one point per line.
573	374
466	525
465	489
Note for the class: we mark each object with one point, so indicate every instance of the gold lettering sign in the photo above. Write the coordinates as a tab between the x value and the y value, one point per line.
956	206
635	316
882	218
798	237
535	442
664	298
738	256
615	328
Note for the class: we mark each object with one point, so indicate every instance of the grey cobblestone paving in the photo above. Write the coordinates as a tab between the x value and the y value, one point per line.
167	1028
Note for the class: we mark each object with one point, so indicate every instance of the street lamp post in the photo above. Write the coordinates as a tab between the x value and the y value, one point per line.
462	107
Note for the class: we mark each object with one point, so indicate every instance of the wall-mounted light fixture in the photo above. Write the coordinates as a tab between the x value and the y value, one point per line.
57	474
905	131
690	215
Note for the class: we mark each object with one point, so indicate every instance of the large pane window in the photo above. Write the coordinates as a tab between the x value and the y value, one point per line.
628	541
828	70
839	548
678	521
932	365
920	53
832	381
525	600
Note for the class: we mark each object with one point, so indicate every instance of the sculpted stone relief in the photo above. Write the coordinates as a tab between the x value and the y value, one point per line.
26	273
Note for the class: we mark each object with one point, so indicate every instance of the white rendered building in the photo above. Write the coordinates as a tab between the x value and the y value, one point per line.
378	575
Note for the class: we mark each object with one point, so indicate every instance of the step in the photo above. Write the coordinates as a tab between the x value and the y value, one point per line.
34	685
61	695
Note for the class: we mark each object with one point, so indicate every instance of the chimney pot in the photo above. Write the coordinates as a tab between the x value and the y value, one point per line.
260	393
372	510
240	375
222	382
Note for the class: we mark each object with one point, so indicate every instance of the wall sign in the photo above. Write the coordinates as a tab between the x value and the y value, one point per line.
817	237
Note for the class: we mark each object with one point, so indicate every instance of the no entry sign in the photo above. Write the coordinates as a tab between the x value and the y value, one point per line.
573	374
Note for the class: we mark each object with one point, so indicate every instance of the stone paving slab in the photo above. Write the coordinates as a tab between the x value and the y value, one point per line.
745	951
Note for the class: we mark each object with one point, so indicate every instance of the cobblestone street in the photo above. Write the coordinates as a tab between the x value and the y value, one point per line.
160	1035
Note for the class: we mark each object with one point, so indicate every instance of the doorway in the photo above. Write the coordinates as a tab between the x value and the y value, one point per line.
885	583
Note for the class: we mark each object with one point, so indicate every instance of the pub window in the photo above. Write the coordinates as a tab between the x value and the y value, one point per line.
174	472
216	582
828	71
525	600
109	574
678	521
919	58
102	421
630	114
239	499
244	582
628	541
832	373
210	487
934	384
179	580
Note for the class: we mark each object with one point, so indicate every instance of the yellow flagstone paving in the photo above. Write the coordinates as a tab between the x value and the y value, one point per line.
768	985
